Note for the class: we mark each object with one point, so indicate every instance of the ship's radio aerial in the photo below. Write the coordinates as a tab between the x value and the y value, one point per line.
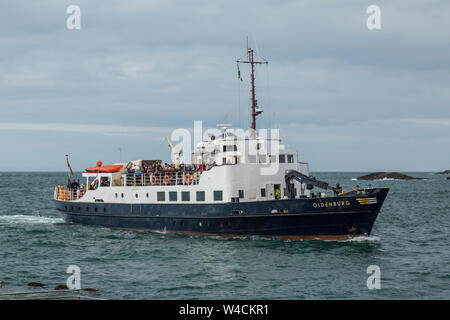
255	109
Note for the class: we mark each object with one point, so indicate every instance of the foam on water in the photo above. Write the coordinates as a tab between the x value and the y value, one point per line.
26	219
364	239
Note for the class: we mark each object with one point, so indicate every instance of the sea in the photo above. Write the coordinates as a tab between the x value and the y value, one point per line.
408	251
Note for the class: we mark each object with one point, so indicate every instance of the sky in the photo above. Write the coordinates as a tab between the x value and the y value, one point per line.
346	97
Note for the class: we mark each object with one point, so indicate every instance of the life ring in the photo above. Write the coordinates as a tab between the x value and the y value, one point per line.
154	179
166	179
188	178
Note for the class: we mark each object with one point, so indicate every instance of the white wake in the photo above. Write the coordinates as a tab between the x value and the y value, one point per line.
25	219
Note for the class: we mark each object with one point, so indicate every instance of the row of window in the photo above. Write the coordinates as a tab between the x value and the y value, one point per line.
199	195
185	195
282	158
87	209
263	192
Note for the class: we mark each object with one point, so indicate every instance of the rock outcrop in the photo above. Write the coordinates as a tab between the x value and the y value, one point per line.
444	172
388	175
36	284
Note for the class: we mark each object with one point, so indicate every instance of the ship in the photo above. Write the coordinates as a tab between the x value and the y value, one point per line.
235	186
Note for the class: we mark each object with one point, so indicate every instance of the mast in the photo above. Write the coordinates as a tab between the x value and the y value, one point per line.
255	110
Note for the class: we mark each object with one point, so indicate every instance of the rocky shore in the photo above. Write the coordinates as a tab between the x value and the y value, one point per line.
444	172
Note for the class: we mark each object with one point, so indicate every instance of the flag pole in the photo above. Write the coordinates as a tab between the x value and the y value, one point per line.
70	173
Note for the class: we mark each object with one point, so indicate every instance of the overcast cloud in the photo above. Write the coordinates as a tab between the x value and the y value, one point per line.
345	97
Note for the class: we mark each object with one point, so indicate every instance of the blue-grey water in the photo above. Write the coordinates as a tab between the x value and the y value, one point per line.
410	244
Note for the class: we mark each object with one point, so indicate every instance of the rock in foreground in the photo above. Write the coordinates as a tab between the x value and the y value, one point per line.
61	287
388	175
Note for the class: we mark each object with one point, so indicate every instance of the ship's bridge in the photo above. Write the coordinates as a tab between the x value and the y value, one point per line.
229	149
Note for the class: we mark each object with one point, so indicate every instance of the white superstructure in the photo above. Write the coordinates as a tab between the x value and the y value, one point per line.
240	170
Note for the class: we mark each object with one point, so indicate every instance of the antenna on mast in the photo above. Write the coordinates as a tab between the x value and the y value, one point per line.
255	109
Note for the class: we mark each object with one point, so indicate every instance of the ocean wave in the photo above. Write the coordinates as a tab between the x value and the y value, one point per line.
25	219
364	239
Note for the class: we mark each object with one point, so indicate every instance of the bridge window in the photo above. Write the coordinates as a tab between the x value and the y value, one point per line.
172	196
229	148
282	158
263	192
290	158
161	196
200	195
241	194
218	195
185	196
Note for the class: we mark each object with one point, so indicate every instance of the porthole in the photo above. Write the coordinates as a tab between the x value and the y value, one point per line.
147	195
87	209
181	222
117	195
136	195
104	209
95	209
71	208
174	222
65	207
79	208
121	195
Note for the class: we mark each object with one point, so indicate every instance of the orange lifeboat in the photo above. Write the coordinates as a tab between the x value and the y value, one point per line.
104	169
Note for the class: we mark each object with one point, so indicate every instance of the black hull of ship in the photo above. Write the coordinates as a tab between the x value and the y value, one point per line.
331	218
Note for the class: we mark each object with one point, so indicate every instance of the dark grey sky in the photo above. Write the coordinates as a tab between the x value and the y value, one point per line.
345	97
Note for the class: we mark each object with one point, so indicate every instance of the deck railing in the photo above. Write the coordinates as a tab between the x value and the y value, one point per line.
133	180
162	179
62	193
